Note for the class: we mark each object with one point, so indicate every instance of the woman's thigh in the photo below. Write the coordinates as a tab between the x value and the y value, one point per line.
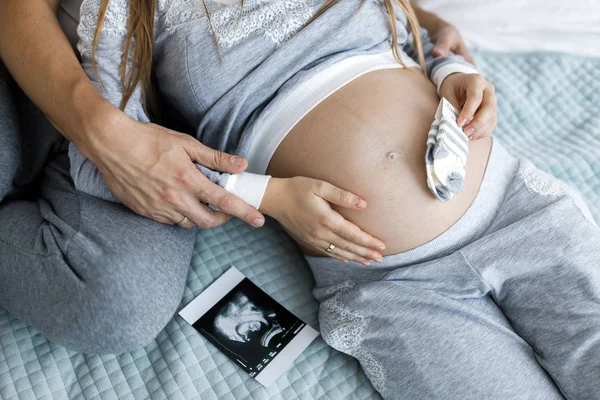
542	260
433	331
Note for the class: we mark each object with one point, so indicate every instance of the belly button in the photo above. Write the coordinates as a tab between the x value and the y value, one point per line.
391	155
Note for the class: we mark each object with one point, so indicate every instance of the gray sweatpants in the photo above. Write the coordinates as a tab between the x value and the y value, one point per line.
503	305
89	274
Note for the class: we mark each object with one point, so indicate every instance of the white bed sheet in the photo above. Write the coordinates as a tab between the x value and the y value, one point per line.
524	25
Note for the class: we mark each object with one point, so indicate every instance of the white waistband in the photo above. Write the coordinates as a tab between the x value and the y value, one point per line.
278	123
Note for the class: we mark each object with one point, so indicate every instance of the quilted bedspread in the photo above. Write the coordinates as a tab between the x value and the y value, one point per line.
548	111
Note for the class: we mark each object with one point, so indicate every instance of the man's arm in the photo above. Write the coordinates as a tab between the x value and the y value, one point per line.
40	58
141	163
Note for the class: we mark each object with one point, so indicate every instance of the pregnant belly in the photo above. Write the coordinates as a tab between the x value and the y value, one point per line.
369	137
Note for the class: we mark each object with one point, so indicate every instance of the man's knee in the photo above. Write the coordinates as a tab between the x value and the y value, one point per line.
125	299
123	319
123	276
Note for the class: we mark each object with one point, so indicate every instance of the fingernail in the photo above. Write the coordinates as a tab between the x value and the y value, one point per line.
360	203
258	222
378	259
462	122
381	246
346	261
470	131
239	161
367	263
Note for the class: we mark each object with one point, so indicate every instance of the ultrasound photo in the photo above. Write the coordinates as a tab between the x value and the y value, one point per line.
248	326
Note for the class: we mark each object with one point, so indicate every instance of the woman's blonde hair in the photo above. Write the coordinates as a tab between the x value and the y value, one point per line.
140	33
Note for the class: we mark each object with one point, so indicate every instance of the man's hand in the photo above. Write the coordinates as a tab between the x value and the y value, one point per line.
151	170
148	168
446	37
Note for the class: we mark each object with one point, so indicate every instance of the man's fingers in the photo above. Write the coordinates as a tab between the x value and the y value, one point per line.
340	197
200	215
229	203
214	159
184	222
187	224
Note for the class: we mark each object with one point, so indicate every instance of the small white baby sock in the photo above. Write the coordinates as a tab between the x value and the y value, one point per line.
446	155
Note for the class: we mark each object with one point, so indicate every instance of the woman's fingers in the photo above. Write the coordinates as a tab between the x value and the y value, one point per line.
474	96
484	119
334	254
351	240
339	252
443	46
462	50
449	40
354	239
339	197
353	248
367	245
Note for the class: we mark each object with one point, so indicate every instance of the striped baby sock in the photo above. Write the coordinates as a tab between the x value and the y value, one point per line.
446	155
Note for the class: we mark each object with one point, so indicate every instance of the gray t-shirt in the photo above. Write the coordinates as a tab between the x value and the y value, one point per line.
68	17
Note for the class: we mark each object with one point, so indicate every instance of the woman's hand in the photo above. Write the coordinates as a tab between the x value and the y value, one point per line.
150	169
446	37
448	40
476	98
302	206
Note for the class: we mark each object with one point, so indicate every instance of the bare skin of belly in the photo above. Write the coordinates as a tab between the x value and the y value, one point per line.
369	138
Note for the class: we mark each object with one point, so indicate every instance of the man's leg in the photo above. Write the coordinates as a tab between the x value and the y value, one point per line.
10	146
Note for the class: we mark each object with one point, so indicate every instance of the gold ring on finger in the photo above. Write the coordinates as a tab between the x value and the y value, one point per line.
183	221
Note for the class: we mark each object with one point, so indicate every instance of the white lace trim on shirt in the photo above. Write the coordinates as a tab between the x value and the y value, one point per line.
115	21
277	20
